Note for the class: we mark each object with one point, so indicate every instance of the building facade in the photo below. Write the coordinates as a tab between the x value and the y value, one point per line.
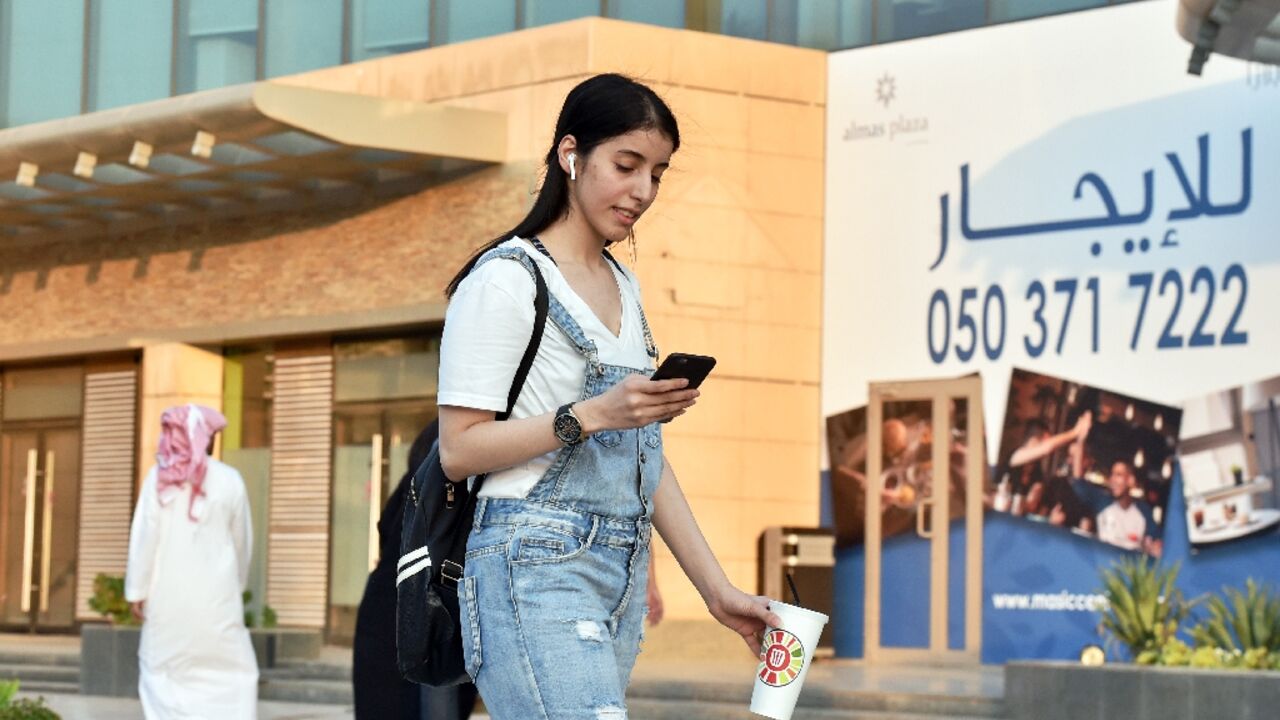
293	277
256	205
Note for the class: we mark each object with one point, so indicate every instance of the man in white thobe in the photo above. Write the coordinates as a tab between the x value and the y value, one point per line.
189	552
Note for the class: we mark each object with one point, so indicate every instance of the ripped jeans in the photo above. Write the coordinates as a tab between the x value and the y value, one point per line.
553	603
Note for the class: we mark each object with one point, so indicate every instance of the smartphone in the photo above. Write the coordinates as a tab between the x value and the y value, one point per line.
695	368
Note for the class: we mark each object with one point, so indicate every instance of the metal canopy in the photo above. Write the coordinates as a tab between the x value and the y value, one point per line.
229	152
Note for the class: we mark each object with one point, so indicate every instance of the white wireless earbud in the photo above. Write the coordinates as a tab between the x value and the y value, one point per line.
573	171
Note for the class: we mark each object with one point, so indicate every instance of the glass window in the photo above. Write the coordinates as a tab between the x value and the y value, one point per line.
301	35
668	13
545	12
217	43
130	42
43	393
41	53
745	18
468	19
386	27
246	446
827	26
903	19
1004	10
386	369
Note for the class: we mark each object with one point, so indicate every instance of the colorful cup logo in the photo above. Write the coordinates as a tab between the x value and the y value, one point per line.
781	658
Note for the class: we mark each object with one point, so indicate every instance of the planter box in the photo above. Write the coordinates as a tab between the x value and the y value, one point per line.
109	654
109	660
1070	691
275	645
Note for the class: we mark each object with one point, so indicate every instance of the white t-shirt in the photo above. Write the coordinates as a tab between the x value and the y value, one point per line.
486	330
1122	527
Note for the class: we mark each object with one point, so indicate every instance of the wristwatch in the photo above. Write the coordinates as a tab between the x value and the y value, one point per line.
567	426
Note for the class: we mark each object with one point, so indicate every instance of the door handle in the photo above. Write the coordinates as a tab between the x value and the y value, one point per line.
375	497
46	546
29	530
925	503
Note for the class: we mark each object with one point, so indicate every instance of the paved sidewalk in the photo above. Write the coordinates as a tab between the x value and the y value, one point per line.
83	707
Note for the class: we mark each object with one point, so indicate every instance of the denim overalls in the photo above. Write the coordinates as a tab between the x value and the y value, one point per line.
554	588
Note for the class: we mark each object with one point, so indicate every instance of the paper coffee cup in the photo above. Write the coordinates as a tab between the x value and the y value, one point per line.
785	656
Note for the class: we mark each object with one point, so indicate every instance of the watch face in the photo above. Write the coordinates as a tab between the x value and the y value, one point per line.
567	427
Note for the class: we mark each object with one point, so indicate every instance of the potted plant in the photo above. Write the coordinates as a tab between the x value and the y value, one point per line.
1243	630
1237	472
1145	608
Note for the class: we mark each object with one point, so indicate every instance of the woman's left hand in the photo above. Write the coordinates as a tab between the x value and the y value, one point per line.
744	614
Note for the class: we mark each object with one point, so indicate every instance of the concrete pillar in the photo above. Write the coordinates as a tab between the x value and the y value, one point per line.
173	374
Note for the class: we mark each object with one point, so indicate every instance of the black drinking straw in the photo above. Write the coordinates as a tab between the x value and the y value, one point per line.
795	596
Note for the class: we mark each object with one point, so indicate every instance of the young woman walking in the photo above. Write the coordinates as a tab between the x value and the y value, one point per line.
556	564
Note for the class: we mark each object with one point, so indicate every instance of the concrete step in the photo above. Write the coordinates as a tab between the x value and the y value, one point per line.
36	688
330	692
309	670
10	656
40	673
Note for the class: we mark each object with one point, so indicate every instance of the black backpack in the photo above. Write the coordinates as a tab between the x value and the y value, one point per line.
433	543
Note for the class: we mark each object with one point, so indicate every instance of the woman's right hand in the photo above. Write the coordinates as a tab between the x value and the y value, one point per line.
635	402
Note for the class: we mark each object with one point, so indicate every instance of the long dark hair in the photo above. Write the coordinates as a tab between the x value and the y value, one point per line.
596	110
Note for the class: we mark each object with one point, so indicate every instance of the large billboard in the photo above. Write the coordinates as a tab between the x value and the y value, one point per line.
1059	196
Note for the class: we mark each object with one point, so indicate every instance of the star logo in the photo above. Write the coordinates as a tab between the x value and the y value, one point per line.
886	89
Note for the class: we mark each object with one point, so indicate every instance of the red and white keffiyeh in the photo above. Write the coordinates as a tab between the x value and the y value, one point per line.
182	457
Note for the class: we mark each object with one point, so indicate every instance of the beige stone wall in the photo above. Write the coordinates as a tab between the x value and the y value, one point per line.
730	256
173	374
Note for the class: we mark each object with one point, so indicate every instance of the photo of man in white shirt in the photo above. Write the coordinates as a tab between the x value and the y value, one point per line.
1121	523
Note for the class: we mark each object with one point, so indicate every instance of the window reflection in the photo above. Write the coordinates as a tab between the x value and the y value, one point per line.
40	60
217	43
302	35
130	48
545	12
903	19
667	13
826	26
745	18
1005	10
468	19
386	27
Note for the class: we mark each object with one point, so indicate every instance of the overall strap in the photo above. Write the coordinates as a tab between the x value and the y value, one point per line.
651	347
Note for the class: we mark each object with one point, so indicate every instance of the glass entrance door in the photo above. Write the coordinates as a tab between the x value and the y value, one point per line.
925	481
371	454
39	506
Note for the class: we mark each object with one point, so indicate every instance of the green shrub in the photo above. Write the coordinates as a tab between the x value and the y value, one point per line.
1207	657
28	709
1175	653
22	708
108	599
1242	621
1146	609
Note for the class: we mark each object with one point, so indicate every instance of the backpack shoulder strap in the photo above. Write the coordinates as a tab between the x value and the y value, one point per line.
540	303
540	306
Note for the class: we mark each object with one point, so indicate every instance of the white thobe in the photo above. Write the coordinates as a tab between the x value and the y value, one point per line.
195	660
